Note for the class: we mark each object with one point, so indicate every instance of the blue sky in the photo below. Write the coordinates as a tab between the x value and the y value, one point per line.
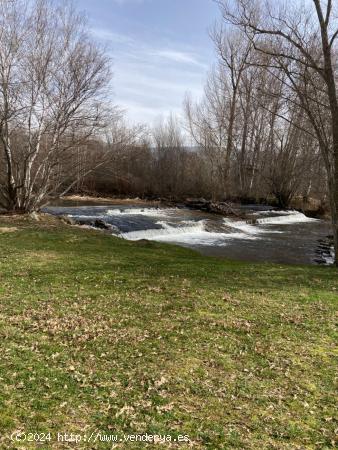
160	49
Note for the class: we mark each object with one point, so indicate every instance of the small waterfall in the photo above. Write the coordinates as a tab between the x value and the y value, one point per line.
242	226
252	227
164	231
289	217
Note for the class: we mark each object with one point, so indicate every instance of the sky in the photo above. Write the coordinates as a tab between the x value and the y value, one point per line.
161	49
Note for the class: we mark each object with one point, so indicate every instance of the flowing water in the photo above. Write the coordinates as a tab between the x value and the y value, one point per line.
265	235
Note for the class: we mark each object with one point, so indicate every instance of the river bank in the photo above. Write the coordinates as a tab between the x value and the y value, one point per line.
89	200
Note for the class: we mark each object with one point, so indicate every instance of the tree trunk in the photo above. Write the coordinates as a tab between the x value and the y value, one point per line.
334	207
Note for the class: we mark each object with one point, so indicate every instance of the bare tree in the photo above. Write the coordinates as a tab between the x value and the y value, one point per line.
233	52
52	81
212	123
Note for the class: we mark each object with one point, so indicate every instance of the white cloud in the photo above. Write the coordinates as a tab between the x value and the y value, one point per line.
110	36
178	56
151	80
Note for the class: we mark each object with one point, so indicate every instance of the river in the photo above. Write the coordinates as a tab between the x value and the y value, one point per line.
266	234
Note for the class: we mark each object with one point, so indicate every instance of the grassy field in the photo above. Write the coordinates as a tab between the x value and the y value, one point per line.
98	334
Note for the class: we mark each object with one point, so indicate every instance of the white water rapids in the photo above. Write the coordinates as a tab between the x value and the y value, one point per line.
198	232
266	234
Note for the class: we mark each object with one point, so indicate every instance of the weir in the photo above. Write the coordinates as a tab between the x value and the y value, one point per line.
268	235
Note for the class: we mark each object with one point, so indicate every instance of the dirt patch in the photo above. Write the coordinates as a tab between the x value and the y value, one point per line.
8	230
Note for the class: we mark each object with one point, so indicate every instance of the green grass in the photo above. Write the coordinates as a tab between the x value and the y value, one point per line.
101	334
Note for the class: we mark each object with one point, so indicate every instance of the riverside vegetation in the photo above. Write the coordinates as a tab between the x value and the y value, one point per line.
98	333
